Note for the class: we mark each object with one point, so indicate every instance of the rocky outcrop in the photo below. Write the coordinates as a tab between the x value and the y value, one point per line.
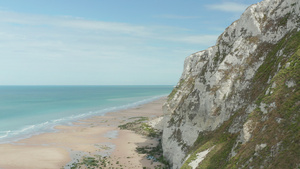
227	83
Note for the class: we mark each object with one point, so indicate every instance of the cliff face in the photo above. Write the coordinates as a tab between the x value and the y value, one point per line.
239	99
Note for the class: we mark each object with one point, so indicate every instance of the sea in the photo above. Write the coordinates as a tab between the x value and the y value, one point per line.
31	110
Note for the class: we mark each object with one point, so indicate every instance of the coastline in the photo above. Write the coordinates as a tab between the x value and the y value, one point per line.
98	135
48	125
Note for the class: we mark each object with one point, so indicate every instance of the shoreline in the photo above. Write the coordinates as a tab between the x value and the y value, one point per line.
50	126
98	135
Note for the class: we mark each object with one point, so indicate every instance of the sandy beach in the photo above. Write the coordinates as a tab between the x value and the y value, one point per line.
98	135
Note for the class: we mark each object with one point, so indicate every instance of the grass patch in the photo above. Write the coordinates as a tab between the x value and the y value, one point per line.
288	45
94	162
155	154
221	139
175	90
140	127
281	137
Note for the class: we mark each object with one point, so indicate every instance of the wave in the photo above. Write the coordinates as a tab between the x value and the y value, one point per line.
25	132
4	134
48	126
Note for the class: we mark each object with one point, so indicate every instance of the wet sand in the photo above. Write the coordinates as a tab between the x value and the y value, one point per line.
98	135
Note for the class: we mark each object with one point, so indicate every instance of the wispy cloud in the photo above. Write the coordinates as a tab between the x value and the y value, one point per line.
34	45
93	29
59	32
228	7
201	39
70	22
177	17
195	39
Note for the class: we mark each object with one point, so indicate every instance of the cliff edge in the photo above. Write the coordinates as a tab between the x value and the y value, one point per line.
237	103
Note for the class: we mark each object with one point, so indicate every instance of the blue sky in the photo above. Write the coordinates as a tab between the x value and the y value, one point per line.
117	42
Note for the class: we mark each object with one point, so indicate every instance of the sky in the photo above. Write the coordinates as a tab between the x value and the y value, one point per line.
101	42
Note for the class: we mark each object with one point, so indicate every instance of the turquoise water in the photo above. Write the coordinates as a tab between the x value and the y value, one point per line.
31	110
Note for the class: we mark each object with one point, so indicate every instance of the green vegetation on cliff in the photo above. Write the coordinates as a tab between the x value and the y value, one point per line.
275	122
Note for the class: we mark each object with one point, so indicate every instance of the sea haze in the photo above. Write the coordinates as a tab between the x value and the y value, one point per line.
30	110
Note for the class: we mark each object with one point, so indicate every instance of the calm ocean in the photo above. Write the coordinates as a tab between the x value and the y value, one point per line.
31	110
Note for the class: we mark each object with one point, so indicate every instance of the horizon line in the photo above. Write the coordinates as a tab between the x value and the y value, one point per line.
97	85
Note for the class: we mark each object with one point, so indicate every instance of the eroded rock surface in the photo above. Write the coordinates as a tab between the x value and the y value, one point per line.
230	77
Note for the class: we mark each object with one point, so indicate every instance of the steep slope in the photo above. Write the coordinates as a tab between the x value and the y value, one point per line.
240	98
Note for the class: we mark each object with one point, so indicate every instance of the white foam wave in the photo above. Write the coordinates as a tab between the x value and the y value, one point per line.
25	132
4	134
48	126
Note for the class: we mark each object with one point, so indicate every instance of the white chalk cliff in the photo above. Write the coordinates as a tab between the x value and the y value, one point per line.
231	81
